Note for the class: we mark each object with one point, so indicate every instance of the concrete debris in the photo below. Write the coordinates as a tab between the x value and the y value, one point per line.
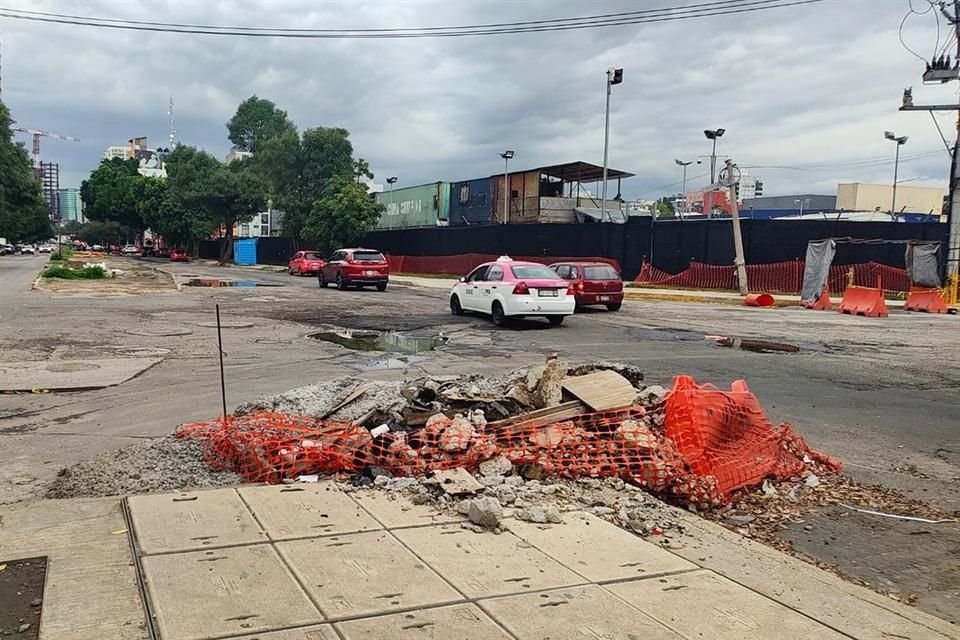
498	466
541	514
485	511
165	464
812	480
454	482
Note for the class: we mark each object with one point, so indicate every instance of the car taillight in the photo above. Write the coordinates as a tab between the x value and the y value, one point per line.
521	289
571	291
579	287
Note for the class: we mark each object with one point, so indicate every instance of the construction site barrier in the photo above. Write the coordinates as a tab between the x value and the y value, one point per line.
759	300
711	444
780	277
927	300
864	301
822	303
465	263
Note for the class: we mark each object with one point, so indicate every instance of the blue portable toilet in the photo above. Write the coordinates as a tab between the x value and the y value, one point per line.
245	251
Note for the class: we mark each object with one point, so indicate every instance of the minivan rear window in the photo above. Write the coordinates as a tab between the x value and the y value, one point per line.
600	273
534	272
368	256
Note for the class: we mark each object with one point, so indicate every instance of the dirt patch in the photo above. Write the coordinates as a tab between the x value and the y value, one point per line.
131	277
21	597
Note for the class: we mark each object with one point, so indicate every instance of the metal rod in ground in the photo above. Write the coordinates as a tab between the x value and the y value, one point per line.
223	384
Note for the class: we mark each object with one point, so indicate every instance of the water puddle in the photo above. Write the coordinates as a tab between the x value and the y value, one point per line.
388	341
756	345
217	283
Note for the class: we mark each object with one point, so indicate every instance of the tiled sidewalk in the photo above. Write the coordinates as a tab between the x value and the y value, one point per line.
309	562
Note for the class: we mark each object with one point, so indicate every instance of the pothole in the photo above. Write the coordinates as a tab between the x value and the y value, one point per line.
217	283
388	341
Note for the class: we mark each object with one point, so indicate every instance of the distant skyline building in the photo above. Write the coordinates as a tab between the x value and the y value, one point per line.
237	154
120	151
71	206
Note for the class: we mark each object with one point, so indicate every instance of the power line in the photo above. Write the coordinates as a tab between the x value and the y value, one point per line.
565	24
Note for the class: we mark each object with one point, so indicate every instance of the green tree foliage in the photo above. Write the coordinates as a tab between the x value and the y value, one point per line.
664	208
361	169
104	232
72	227
112	194
206	189
342	214
256	121
24	215
297	169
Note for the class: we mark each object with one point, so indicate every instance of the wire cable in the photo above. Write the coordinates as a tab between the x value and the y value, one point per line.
678	13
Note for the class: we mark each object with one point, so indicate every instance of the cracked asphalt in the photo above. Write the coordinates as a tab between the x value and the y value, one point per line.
881	394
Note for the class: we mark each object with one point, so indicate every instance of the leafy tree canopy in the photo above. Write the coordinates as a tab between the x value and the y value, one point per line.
342	214
257	121
112	191
24	214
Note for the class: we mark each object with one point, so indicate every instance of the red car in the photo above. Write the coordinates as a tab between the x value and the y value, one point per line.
355	268
593	283
305	263
179	255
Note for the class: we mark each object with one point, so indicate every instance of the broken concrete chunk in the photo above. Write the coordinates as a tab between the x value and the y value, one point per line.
505	494
485	512
457	436
455	482
541	515
498	466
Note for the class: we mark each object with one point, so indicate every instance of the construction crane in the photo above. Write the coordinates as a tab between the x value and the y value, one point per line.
37	134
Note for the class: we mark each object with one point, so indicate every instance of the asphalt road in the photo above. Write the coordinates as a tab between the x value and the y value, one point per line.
881	394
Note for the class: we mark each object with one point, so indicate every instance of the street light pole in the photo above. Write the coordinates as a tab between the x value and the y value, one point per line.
390	182
902	140
506	155
713	134
614	76
683	188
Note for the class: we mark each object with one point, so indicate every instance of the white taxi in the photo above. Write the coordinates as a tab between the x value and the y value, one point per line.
510	288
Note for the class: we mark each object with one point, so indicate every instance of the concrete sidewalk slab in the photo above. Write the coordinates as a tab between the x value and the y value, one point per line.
580	612
306	510
460	622
71	375
313	632
198	595
704	605
91	587
597	551
364	574
396	511
481	565
171	522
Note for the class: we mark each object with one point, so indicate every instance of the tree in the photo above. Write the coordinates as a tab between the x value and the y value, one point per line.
664	208
103	232
297	169
361	169
343	214
113	192
24	214
72	227
256	121
225	195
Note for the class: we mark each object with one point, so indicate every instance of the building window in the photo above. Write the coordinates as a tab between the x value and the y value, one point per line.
264	230
264	218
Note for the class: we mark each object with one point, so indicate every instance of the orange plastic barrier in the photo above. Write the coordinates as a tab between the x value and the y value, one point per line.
712	443
864	301
822	303
759	300
928	300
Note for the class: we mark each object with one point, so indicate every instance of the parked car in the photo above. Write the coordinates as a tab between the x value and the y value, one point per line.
47	248
355	268
27	249
130	250
97	247
510	288
593	283
179	255
305	263
6	249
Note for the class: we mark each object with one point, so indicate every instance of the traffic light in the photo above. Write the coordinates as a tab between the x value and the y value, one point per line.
617	76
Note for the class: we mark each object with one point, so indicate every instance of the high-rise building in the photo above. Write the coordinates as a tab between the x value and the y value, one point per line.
71	206
120	151
49	175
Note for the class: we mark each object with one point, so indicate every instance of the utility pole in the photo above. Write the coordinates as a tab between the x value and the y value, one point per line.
614	76
731	182
506	155
937	71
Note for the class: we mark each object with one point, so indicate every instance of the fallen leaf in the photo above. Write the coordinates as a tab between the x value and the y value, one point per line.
119	532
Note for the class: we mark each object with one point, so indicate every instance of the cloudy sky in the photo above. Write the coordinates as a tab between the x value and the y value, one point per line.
807	85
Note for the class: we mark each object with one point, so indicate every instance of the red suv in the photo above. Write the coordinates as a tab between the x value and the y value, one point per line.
593	283
355	268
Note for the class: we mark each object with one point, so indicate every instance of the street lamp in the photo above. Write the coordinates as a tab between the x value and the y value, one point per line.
713	134
902	140
506	155
390	181
614	76
683	189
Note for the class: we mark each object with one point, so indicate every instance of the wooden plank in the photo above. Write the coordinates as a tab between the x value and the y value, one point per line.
541	417
358	391
601	390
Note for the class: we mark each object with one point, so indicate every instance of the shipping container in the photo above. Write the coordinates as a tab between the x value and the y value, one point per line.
471	202
425	205
245	251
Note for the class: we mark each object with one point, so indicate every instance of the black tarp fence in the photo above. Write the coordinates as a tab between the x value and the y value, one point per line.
675	243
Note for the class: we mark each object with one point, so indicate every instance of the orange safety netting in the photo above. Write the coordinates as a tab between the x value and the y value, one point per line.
712	443
783	277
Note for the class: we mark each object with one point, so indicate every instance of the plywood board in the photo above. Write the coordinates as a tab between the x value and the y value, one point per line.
601	390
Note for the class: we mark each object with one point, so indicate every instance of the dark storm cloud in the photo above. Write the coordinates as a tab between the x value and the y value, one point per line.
815	83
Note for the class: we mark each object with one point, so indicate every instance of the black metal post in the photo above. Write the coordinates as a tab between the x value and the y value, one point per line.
223	384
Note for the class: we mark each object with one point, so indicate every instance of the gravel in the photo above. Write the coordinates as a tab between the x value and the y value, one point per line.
165	464
317	399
